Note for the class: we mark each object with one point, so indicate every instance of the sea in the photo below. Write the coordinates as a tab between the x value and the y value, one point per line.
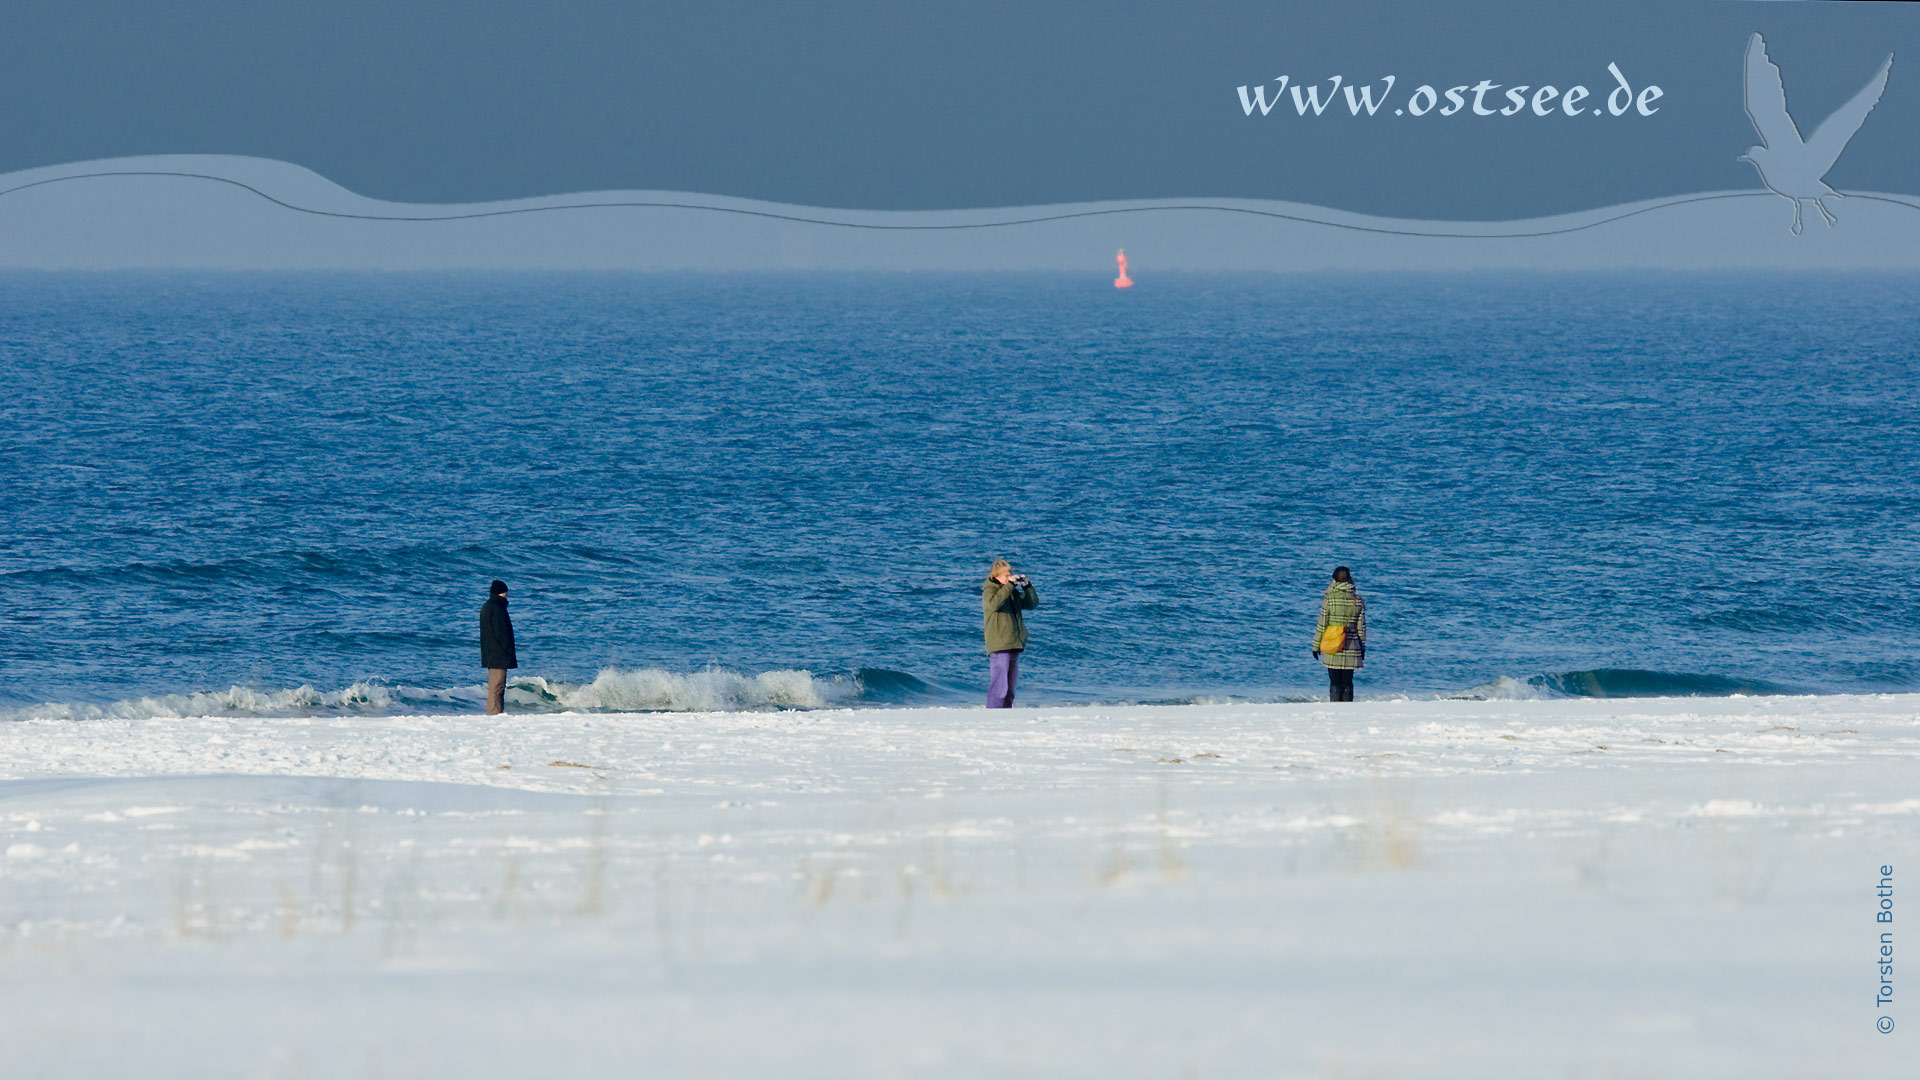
285	494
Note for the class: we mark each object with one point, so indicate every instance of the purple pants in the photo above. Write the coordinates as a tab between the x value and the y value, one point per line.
1006	668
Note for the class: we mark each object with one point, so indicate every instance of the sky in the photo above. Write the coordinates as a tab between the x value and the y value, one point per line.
882	105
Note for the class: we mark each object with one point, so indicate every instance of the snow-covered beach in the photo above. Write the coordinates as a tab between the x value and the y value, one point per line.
1671	887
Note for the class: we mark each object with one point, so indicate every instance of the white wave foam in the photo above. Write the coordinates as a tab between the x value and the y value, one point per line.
712	690
649	689
300	700
1502	688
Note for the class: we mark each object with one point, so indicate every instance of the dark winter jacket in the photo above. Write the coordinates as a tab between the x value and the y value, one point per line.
1001	605
496	635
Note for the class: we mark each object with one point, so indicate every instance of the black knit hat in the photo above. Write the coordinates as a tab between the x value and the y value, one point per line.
497	587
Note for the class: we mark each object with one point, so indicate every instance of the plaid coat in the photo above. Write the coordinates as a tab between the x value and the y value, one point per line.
1342	606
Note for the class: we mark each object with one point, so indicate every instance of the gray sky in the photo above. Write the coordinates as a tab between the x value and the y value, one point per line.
884	105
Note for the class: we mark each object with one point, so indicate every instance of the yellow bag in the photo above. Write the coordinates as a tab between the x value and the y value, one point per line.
1333	639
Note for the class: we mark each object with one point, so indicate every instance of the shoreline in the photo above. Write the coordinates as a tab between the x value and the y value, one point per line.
1430	736
615	691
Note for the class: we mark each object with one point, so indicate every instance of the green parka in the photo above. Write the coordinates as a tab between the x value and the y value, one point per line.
1341	606
1002	604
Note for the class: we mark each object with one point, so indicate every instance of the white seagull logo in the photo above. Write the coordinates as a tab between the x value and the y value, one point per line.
1790	166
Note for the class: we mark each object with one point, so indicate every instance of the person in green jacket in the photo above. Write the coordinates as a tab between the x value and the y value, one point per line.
1341	606
1003	596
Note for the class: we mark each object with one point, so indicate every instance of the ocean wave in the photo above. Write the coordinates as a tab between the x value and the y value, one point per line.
712	690
370	698
612	690
884	686
721	690
1619	683
1639	683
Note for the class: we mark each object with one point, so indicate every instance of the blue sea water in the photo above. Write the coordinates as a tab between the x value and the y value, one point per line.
288	492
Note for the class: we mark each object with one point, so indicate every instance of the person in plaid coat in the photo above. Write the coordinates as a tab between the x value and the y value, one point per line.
1342	606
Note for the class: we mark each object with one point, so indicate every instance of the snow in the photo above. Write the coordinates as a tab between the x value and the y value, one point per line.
1677	887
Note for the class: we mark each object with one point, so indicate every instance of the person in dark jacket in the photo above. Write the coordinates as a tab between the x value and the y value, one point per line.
1003	596
1341	607
496	646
